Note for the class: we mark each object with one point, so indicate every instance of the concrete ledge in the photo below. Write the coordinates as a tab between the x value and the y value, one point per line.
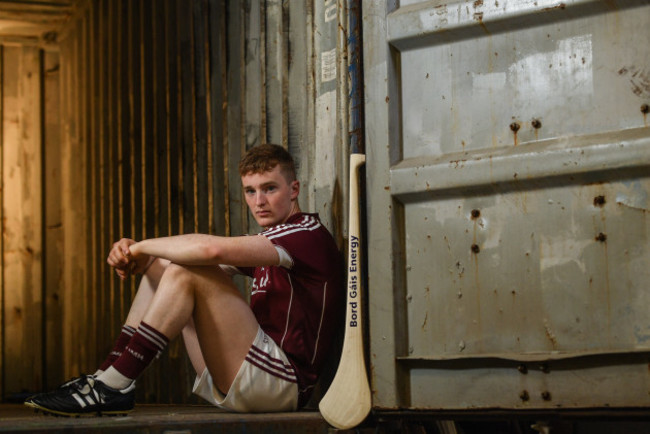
176	419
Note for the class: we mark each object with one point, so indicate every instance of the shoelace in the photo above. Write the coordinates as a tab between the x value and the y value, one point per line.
87	389
75	380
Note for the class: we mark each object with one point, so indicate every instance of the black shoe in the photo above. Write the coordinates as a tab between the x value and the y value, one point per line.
29	401
83	396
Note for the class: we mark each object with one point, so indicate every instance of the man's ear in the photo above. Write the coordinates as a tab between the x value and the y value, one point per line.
295	189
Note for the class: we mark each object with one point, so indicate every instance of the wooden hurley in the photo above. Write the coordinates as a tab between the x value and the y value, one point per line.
347	402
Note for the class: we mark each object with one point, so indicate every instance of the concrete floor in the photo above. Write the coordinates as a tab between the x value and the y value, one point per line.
168	419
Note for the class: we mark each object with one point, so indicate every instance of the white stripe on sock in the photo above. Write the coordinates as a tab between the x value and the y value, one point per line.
152	337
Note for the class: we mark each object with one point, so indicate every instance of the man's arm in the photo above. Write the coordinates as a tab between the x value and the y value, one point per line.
201	249
128	256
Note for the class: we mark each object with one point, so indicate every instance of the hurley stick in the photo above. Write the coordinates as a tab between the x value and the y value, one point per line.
347	402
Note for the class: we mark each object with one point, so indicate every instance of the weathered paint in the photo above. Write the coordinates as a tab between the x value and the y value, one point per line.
355	76
509	153
326	110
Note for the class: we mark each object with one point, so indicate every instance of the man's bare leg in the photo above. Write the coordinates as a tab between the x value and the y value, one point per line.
220	326
139	306
146	290
193	348
142	301
224	323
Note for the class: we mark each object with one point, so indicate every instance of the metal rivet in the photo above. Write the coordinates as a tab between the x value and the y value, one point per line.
475	248
515	127
476	213
522	368
544	368
546	395
599	201
601	237
537	124
645	109
524	396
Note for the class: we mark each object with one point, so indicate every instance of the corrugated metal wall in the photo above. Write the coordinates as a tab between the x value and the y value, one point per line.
138	134
142	83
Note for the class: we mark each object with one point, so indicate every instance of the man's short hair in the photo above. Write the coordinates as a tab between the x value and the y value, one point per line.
264	158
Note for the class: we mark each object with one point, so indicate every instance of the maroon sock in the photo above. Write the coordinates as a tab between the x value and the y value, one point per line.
120	343
146	344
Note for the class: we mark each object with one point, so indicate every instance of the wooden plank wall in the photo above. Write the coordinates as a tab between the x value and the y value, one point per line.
53	234
22	243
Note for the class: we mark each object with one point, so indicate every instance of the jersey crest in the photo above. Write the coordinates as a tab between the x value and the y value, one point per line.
261	282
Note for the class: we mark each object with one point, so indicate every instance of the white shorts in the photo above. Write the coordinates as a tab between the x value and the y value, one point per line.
266	381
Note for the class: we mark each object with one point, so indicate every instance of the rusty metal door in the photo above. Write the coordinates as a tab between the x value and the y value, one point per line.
509	173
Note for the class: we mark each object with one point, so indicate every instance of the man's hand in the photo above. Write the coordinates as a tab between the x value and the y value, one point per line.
123	261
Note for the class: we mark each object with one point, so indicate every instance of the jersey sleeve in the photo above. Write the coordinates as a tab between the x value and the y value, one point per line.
304	246
286	260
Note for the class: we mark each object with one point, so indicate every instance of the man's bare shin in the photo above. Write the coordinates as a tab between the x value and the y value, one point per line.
146	290
173	302
193	348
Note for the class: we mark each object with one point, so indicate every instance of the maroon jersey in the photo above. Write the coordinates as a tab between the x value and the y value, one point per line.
300	303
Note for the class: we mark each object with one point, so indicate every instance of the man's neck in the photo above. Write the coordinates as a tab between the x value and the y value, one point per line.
295	209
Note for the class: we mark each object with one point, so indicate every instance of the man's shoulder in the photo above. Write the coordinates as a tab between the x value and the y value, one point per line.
301	223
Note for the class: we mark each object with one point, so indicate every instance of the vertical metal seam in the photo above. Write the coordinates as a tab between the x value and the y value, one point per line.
355	76
264	129
154	121
245	13
143	138
109	127
343	105
130	86
92	172
167	117
118	24
206	44
179	115
285	23
193	99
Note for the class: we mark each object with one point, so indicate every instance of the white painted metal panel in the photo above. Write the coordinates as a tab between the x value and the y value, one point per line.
509	149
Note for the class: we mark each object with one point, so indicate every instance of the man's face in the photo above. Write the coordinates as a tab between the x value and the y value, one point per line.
270	197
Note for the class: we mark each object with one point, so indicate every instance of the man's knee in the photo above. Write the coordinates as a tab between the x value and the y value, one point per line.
199	274
154	273
177	272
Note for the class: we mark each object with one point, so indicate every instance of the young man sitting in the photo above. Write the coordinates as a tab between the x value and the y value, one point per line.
261	357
